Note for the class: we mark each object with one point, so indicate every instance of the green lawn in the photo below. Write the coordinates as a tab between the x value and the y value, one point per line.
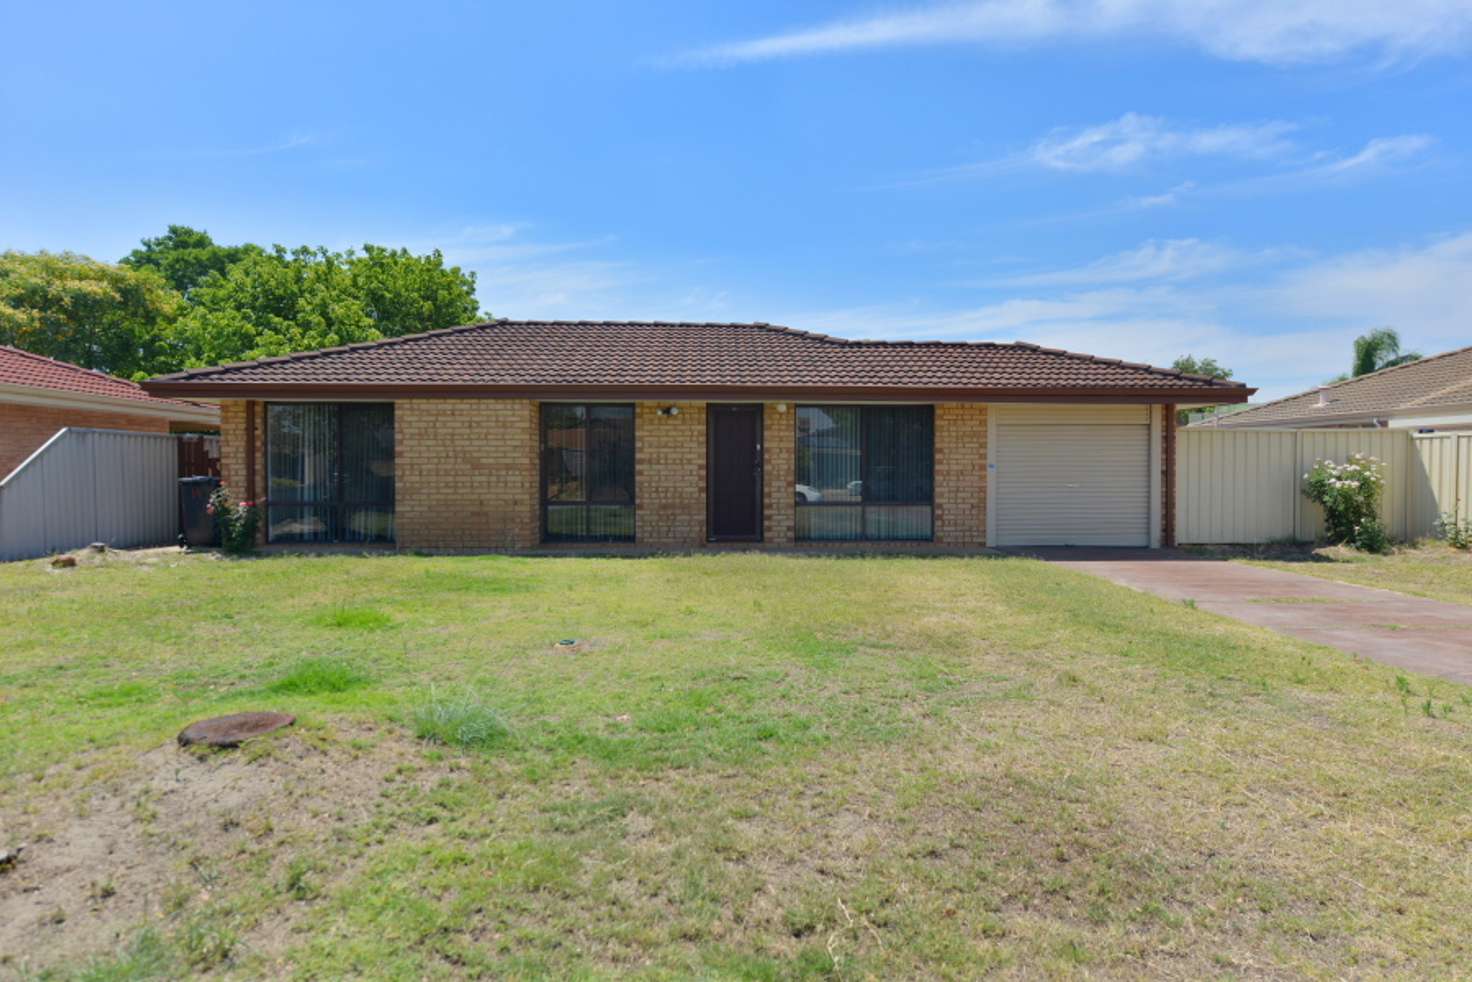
747	766
1426	569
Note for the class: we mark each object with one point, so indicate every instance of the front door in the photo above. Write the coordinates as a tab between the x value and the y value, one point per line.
734	473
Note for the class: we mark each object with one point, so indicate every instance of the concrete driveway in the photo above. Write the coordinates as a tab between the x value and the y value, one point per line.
1427	636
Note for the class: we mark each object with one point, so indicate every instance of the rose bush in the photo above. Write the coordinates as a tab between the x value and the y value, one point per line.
238	522
1350	494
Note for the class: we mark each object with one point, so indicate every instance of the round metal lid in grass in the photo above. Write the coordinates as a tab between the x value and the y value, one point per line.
232	730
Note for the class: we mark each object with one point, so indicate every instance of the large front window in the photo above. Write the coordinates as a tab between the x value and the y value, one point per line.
587	473
330	472
865	472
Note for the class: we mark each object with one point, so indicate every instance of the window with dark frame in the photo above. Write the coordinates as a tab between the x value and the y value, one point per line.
865	473
329	472
587	472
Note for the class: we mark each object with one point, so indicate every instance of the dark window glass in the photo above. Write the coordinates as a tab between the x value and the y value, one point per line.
330	472
587	473
865	472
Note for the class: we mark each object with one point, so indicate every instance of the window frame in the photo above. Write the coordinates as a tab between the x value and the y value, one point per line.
863	505
586	502
338	502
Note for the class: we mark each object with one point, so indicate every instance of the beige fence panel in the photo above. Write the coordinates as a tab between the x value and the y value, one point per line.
1445	481
1246	485
87	485
1391	447
1236	485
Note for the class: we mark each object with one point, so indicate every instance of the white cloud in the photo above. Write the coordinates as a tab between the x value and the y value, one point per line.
1134	139
1422	291
1272	31
1378	155
1172	260
1283	334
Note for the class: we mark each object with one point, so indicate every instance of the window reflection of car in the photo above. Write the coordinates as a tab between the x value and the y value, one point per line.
808	495
855	488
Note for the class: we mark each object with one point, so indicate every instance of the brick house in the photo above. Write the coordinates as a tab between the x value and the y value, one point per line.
511	435
39	396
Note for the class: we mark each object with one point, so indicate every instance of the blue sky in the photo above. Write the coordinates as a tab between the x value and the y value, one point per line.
1256	181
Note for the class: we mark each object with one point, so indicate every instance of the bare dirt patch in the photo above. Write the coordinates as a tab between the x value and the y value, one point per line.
104	858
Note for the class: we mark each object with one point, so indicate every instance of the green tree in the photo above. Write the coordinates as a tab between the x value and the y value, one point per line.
1379	349
277	302
1192	365
185	256
94	314
404	293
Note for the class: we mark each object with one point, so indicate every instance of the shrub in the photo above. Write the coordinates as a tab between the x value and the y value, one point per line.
463	721
237	522
1370	536
1350	496
1453	530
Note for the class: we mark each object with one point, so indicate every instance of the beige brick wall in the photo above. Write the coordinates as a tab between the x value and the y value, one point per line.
960	474
466	473
779	508
669	475
23	429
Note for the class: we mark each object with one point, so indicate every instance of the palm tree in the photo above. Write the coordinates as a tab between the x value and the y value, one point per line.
1379	349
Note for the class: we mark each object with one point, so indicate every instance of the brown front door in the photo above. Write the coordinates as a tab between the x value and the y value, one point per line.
734	473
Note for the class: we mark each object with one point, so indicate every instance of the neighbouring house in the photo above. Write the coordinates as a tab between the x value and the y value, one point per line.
40	396
510	435
1430	395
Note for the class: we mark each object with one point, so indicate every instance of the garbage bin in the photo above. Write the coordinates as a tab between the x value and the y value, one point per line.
196	524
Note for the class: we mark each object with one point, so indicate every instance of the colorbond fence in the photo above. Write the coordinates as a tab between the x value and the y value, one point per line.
1240	486
87	486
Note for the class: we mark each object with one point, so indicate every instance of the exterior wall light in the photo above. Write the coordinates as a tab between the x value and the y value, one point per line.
670	411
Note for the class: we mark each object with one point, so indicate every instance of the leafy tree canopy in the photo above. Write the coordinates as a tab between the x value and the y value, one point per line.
1379	349
1192	365
186	256
93	314
182	300
273	303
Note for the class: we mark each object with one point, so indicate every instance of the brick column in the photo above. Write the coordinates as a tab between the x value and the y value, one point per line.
669	475
779	477
960	474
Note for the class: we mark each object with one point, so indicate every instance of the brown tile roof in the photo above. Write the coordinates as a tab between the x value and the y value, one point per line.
1425	385
18	367
539	357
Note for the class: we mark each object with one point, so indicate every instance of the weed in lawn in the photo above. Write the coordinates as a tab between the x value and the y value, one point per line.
299	884
317	676
354	619
147	957
206	941
459	721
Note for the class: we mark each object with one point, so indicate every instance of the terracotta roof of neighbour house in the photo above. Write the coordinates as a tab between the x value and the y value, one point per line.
33	371
670	360
1417	387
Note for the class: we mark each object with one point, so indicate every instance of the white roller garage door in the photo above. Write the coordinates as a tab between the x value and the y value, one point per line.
1071	475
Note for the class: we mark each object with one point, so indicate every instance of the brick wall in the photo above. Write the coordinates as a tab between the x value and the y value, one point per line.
779	479
23	429
960	474
669	475
466	473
